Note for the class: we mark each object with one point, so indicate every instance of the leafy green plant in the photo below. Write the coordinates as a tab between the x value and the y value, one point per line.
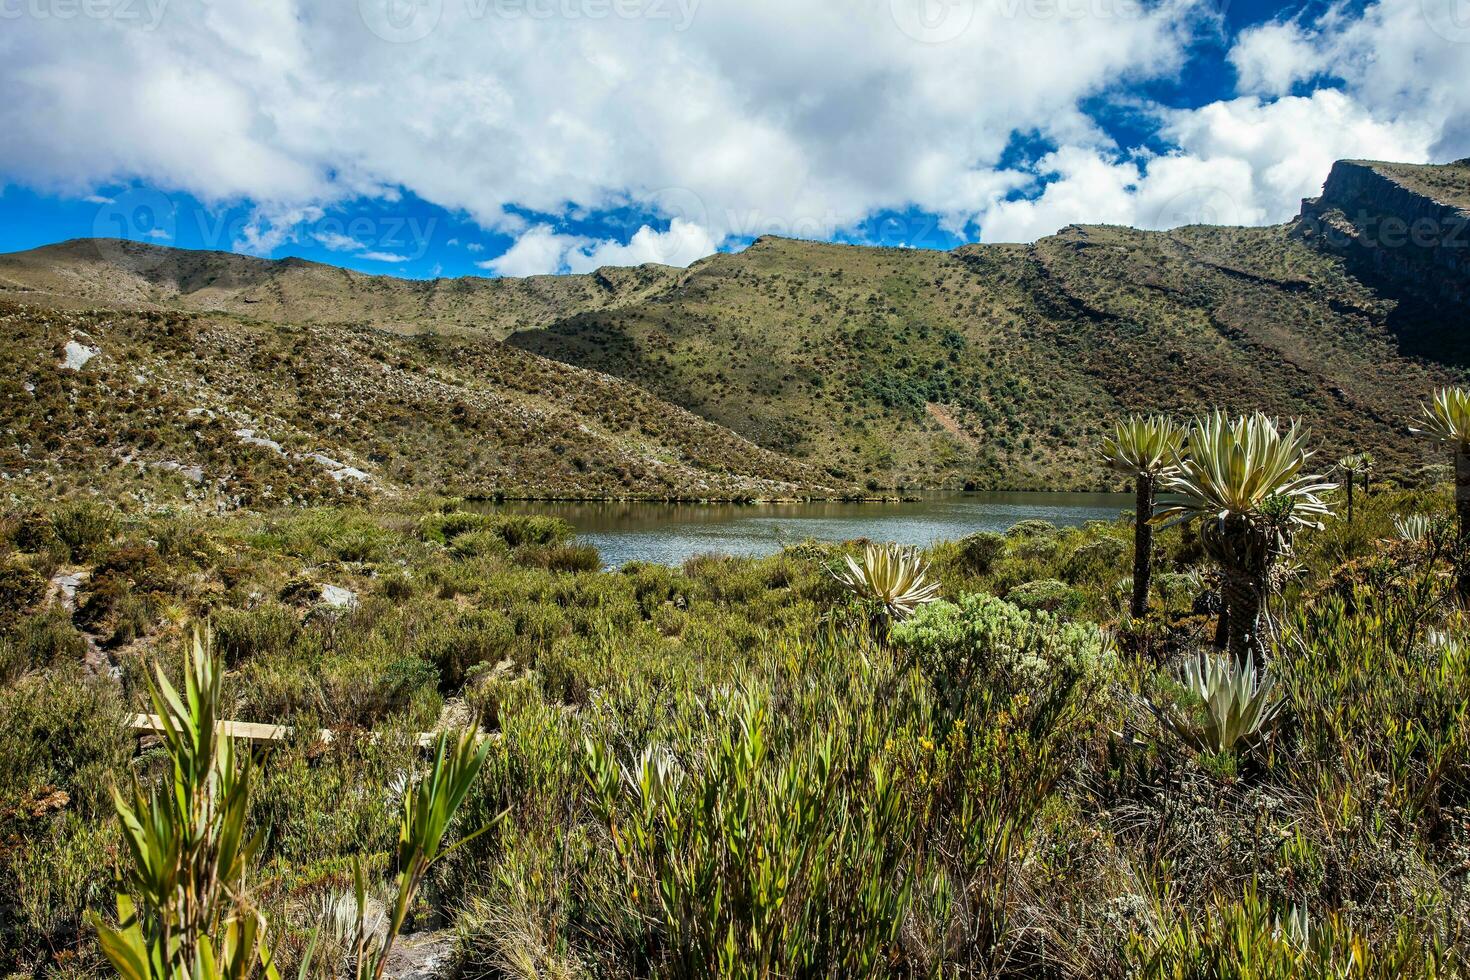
893	578
1242	484
1228	708
1246	938
1447	419
981	642
979	551
1046	595
188	850
1147	449
1412	528
428	807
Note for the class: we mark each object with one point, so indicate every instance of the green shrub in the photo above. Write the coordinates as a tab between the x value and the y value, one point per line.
477	544
985	641
84	527
62	728
122	596
1046	595
520	529
979	551
1249	939
480	637
561	557
240	634
444	528
1096	562
21	590
37	642
1032	528
35	532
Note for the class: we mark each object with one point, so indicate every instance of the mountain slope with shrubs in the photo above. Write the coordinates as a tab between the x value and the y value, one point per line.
237	412
993	366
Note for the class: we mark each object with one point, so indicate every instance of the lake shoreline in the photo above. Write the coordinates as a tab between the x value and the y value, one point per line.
670	533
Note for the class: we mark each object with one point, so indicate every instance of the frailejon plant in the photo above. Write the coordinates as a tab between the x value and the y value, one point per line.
188	850
1146	448
1353	466
1242	480
1447	419
1235	709
893	578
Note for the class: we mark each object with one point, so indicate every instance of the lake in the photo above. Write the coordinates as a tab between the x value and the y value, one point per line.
670	534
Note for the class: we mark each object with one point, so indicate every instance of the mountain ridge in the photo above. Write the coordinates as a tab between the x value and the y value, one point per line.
990	366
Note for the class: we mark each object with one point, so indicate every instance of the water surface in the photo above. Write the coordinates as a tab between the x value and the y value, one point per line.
670	534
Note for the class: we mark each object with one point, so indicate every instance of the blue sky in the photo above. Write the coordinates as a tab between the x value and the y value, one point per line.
456	137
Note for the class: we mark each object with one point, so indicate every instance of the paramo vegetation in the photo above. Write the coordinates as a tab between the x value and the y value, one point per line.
996	758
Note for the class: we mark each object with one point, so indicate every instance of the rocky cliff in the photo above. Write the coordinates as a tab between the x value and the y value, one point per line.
1404	225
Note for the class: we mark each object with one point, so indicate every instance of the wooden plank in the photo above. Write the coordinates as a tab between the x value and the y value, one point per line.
255	732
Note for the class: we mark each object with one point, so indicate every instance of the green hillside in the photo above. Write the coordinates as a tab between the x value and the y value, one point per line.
244	412
999	365
992	366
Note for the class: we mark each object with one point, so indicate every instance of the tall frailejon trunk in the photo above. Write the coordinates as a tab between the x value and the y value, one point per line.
1143	544
1222	626
1243	599
1462	514
1350	495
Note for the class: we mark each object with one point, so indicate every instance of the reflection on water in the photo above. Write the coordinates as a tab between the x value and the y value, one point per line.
672	533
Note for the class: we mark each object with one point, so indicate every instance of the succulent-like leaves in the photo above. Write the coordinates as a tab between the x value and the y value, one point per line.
1447	417
428	807
1245	468
1412	527
1144	446
1236	708
894	577
187	848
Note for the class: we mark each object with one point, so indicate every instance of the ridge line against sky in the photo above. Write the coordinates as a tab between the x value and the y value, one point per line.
515	137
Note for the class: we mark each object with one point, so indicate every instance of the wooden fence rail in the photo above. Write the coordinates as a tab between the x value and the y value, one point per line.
255	732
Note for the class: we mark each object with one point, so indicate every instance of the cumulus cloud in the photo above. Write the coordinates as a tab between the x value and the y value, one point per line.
336	241
768	114
1244	162
542	251
1270	59
715	120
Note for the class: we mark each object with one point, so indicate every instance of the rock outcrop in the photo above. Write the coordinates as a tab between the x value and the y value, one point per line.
1406	226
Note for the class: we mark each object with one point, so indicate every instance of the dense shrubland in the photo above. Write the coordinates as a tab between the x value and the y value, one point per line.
755	768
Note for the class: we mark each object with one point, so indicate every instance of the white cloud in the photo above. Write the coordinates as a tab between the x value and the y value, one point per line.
1242	162
540	251
337	242
766	115
543	251
683	243
384	257
762	116
1270	59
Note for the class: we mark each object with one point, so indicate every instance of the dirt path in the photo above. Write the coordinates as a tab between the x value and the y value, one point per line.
946	419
